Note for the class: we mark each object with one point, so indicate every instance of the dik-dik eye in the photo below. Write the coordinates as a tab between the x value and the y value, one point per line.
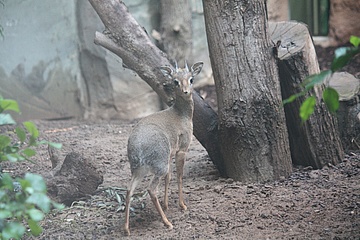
176	82
191	80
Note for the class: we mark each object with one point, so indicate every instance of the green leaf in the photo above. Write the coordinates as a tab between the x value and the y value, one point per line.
36	181
293	97
315	79
36	214
5	214
25	184
6	182
55	145
40	200
4	141
14	157
21	134
30	126
354	40
13	230
331	99
51	144
28	152
58	206
307	108
6	118
8	104
343	56
35	229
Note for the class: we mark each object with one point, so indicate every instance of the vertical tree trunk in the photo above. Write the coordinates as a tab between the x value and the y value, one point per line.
252	130
176	29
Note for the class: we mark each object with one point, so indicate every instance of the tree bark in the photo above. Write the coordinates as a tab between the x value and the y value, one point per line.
176	29
252	130
348	114
316	142
124	37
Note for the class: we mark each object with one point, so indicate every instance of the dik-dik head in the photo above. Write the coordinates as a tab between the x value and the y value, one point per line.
182	77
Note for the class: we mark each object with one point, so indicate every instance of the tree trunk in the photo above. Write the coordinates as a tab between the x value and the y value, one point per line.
252	130
316	142
176	29
124	37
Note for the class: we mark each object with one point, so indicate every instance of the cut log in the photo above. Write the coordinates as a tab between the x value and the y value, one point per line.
316	142
73	179
348	114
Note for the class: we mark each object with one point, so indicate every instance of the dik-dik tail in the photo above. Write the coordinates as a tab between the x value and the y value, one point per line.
157	138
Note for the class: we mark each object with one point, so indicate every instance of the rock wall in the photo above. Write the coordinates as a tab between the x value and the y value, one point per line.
51	66
39	58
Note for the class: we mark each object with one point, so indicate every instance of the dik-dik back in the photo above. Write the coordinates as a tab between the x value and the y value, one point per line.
159	137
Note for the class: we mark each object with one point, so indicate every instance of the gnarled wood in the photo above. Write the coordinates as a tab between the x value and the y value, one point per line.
316	142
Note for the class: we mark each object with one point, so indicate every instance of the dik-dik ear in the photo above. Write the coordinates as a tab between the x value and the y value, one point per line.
196	68
167	71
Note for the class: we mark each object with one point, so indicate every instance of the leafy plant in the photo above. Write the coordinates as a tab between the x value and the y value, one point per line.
23	201
330	96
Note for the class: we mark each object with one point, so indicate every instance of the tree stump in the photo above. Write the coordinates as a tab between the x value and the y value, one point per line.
348	114
316	142
73	179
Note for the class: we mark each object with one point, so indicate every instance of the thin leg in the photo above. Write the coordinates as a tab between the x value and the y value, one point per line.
179	161
167	182
134	182
166	195
152	192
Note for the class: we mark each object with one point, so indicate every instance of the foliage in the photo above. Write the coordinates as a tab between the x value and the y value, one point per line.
331	98
23	201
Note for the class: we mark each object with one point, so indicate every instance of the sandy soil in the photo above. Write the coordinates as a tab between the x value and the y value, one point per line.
311	204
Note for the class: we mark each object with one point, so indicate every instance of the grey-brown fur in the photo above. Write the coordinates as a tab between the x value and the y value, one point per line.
157	138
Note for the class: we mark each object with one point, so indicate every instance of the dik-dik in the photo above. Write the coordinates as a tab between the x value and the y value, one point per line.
157	138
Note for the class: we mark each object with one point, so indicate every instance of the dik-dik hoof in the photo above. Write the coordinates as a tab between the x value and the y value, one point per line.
127	231
169	226
183	207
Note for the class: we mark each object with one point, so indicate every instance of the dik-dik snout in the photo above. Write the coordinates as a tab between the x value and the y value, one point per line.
159	137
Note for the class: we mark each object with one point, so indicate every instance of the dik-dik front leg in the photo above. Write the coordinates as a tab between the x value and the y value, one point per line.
179	161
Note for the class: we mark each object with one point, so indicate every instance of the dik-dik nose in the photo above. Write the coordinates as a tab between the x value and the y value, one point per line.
186	90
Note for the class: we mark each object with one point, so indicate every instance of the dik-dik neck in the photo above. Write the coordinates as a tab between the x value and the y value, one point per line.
184	107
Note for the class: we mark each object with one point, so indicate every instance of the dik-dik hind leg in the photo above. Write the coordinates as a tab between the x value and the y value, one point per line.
167	182
179	161
134	182
166	195
152	192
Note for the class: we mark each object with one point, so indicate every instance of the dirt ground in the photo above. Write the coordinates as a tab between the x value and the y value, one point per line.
311	204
